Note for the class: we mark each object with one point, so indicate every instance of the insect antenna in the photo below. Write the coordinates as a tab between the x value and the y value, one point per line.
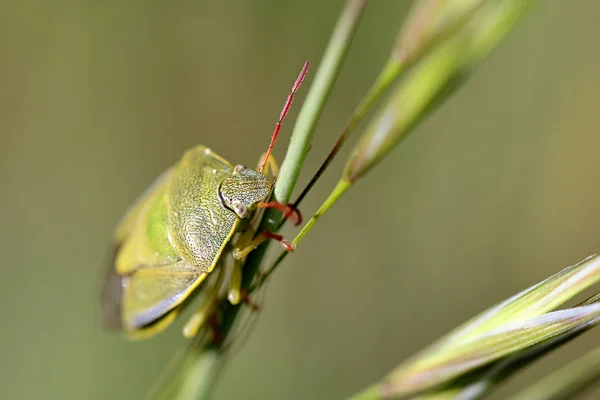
284	111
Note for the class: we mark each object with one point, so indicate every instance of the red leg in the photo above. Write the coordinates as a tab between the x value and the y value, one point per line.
287	210
213	324
270	235
246	300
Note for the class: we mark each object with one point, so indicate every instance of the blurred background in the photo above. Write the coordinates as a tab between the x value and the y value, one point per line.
496	191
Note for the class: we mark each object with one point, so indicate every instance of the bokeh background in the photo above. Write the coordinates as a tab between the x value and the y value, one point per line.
496	191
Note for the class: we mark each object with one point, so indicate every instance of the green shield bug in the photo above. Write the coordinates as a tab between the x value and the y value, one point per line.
172	238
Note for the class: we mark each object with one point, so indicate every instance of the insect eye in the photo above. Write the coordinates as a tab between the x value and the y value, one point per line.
240	210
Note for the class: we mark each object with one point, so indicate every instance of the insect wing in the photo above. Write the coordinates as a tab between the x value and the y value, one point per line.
147	278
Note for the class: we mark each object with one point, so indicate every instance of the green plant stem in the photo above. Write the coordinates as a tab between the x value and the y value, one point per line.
206	366
341	188
195	377
318	94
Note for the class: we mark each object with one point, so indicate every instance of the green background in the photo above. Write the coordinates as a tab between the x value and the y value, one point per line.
496	191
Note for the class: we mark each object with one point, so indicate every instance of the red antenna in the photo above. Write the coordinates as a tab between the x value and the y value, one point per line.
284	111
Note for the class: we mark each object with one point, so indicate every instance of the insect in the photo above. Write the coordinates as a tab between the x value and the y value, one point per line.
179	230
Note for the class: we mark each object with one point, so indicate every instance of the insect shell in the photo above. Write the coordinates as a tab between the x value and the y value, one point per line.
172	238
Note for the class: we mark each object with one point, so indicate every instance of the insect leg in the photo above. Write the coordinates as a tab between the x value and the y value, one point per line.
235	283
236	294
287	210
243	245
248	242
